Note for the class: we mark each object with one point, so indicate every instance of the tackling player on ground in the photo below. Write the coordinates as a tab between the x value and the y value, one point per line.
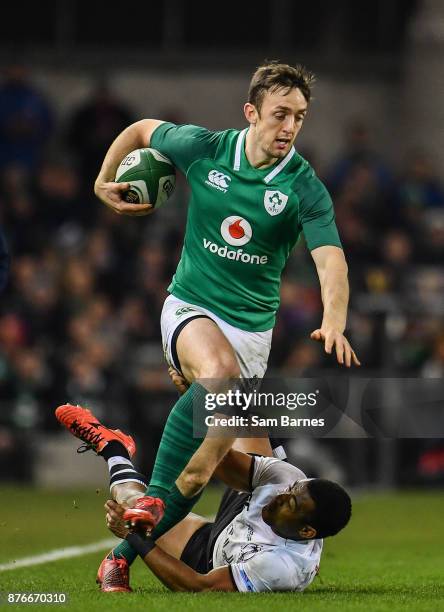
267	538
252	195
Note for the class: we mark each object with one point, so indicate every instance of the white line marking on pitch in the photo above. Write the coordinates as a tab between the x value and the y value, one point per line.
64	553
59	553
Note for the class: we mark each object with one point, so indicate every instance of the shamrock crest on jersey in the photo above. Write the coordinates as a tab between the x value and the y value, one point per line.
274	202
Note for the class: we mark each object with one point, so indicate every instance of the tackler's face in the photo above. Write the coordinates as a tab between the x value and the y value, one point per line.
288	514
279	120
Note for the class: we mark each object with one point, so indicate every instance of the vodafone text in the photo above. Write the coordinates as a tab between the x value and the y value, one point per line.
237	255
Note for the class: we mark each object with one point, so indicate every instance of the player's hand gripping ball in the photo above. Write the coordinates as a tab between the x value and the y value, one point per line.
151	175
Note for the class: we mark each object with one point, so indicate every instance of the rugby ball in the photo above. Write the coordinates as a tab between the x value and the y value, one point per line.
151	175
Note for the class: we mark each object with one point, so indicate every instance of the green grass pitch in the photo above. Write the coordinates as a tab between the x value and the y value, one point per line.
389	558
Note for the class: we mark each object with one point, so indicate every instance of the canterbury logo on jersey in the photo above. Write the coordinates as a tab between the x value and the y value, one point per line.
218	180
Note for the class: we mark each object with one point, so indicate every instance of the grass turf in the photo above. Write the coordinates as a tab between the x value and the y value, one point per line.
389	558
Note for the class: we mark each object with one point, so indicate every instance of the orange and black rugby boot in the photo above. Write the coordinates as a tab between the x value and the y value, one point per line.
84	425
145	514
113	574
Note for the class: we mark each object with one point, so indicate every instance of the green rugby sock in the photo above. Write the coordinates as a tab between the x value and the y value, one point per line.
124	550
177	445
177	507
176	448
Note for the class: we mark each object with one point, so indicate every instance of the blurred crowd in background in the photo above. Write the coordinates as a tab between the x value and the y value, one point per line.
79	317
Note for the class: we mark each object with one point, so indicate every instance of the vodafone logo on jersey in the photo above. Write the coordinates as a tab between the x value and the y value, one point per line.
236	230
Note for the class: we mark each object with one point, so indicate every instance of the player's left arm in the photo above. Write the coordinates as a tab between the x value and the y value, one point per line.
332	271
178	576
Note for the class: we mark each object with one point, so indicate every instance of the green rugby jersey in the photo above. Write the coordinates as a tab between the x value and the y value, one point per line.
242	222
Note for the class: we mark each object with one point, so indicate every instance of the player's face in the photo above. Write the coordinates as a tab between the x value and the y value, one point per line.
279	121
286	513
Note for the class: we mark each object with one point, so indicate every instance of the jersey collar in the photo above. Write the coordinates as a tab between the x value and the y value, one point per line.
238	151
275	170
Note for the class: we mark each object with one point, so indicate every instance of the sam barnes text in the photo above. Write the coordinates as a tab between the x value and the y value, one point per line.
283	420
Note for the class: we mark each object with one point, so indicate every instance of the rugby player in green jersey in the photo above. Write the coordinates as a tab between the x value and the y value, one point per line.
252	195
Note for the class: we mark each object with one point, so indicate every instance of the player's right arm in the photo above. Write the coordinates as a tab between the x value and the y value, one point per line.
235	470
135	136
178	576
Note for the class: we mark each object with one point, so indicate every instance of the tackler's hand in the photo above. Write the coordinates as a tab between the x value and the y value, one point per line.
114	519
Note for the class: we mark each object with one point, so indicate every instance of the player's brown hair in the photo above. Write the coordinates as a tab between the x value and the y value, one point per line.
272	76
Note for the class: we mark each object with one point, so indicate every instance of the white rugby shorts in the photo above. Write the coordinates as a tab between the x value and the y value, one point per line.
251	348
